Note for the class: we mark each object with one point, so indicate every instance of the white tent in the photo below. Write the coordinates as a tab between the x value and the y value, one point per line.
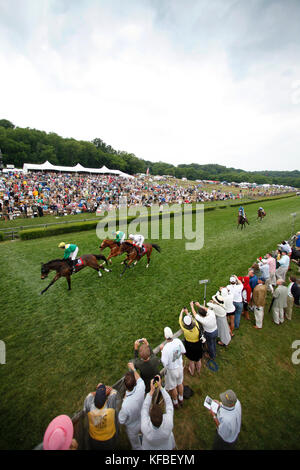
69	169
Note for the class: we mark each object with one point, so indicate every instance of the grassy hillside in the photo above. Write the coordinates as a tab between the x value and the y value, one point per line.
60	345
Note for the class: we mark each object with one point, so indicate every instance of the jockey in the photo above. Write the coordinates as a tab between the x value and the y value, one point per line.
261	209
242	211
138	240
70	252
119	237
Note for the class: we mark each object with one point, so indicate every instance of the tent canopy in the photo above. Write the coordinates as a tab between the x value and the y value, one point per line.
77	169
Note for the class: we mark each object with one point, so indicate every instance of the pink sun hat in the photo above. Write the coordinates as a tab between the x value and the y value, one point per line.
59	434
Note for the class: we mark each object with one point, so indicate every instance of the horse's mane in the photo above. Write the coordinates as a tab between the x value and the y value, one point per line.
57	260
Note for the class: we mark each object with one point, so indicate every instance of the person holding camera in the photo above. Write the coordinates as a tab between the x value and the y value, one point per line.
146	361
156	426
192	342
207	318
130	413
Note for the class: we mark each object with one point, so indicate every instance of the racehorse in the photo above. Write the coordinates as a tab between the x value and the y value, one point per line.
115	249
242	221
261	214
64	268
134	254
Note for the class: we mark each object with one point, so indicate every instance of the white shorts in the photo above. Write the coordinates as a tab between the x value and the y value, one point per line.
74	254
173	378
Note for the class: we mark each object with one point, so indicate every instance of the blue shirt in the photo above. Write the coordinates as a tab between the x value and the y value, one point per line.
298	242
253	281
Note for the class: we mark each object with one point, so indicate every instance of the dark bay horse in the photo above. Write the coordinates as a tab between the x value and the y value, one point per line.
261	214
242	222
134	254
64	268
115	248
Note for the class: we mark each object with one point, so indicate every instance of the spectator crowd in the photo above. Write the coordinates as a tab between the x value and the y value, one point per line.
35	194
153	387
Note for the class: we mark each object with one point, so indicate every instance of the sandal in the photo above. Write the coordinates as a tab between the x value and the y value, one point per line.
220	343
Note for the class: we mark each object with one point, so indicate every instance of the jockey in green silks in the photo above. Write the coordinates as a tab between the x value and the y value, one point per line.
119	237
70	252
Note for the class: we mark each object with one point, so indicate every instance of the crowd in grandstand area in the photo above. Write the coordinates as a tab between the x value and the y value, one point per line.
154	387
41	193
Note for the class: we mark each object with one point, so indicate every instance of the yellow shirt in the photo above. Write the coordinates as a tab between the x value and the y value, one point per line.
102	424
192	336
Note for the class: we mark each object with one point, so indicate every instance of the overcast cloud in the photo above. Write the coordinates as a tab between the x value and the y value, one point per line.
181	81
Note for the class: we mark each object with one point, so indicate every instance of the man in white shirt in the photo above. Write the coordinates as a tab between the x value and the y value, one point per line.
157	428
228	420
130	413
171	358
208	320
236	288
284	263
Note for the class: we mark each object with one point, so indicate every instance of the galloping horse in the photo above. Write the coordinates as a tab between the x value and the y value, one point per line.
261	214
134	254
115	249
64	268
242	221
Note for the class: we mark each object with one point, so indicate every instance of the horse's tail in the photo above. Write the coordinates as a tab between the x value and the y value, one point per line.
157	247
101	257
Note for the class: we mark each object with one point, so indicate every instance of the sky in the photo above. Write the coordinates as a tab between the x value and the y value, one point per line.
178	81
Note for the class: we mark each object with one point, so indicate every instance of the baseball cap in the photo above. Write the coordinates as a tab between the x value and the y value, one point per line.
59	434
232	279
100	396
228	398
168	333
187	320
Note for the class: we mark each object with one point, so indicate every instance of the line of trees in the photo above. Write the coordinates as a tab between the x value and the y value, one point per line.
25	145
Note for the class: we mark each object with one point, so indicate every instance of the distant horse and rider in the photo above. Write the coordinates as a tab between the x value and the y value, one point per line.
261	213
242	218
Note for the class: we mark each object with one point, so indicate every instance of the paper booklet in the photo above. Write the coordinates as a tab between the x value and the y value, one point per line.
211	404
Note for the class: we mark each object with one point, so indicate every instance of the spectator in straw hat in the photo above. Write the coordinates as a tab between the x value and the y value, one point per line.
59	434
171	357
192	342
228	421
218	307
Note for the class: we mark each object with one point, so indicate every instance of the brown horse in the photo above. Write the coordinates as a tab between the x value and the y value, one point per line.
242	221
115	248
261	214
134	253
64	268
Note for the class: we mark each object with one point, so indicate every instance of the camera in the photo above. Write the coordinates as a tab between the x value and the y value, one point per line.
202	339
156	380
140	340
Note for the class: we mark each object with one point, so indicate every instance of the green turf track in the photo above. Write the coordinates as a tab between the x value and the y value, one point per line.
61	344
